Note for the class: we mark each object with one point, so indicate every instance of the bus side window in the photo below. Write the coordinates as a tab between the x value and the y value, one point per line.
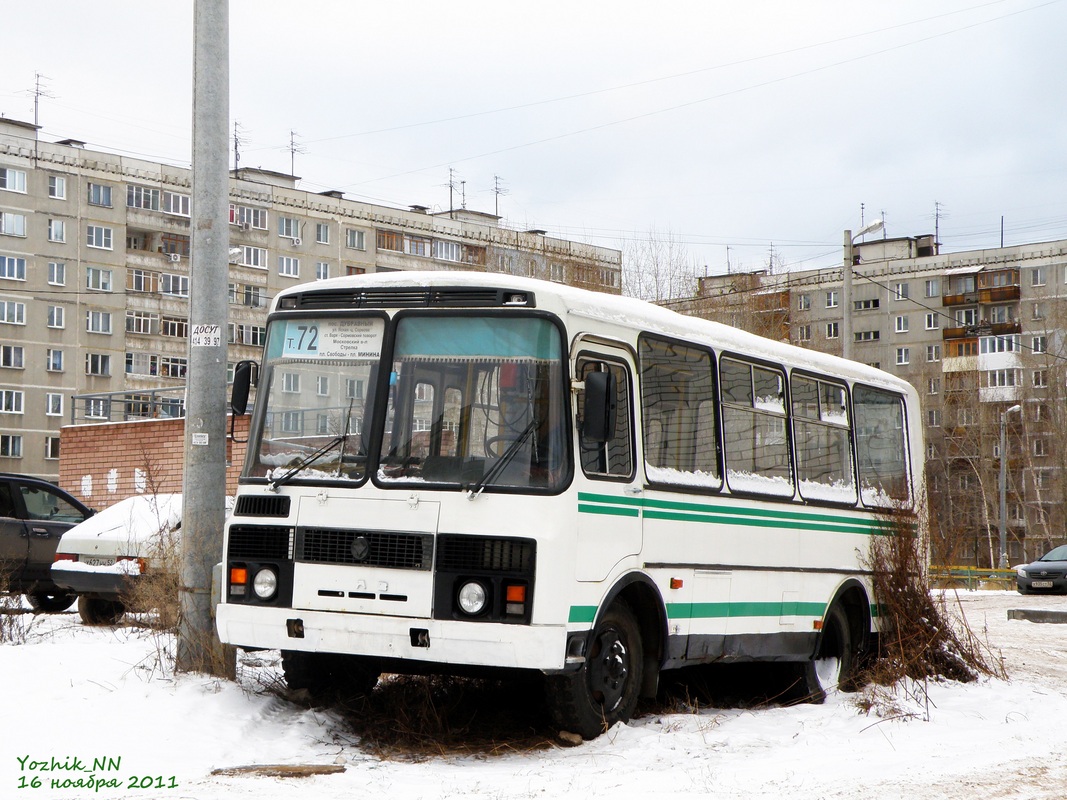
615	457
823	445
754	424
881	447
678	414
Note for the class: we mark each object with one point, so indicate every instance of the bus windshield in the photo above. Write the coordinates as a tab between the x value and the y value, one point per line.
475	401
319	377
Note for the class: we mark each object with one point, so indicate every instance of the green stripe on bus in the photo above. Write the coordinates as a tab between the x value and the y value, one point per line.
721	610
729	515
582	614
611	510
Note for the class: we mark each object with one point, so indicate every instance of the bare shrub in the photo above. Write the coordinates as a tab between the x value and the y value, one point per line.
919	637
13	624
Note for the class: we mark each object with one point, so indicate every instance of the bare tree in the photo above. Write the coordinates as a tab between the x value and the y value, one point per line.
657	267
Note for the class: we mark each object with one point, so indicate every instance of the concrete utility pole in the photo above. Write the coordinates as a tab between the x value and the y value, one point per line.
204	492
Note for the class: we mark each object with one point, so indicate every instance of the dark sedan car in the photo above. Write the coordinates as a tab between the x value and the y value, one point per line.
33	516
1048	574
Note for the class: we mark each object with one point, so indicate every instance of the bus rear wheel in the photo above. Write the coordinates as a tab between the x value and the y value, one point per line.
605	690
328	676
831	667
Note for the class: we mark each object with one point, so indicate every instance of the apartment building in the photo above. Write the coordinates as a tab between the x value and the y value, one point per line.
95	270
980	334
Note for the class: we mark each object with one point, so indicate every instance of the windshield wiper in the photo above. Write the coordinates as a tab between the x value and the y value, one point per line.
475	489
313	457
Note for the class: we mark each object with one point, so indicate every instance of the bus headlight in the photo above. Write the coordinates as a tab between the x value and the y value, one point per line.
265	584
472	598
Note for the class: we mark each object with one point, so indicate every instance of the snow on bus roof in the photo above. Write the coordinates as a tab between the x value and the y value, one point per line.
627	312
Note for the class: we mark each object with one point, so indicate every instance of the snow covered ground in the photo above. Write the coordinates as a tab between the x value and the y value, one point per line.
78	694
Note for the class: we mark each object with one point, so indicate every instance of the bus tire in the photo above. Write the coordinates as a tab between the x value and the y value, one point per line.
605	689
831	667
326	676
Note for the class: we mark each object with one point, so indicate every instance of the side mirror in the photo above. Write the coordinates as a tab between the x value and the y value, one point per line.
243	377
598	419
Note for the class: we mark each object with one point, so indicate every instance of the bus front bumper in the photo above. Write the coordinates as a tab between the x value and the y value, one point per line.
487	644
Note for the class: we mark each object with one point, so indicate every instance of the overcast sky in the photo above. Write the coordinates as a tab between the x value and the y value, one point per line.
734	127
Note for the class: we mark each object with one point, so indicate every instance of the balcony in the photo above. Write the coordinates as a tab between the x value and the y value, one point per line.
999	294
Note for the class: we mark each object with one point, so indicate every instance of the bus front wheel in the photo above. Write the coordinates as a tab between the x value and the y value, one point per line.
605	690
326	676
832	665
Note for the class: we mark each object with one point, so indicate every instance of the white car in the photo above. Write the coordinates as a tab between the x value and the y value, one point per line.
106	558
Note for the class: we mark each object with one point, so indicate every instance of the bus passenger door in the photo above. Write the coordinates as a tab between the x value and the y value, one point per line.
609	511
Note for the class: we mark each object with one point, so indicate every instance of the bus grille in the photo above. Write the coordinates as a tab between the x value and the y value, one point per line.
376	548
253	505
485	554
406	297
260	542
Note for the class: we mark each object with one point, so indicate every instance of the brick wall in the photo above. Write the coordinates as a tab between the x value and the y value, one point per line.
102	464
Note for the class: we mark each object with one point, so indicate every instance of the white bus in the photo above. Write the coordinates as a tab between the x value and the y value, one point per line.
472	473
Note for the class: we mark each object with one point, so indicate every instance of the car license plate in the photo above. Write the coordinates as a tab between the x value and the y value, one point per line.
105	561
1041	584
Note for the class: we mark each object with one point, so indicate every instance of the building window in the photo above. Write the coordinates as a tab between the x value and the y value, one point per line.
171	367
933	321
11	356
933	386
322	270
142	197
141	322
291	382
57	187
97	364
866	336
933	418
57	317
901	291
97	408
99	237
903	356
174	285
322	232
53	404
252	297
447	251
350	270
140	280
1040	446
902	324
933	352
1000	378
353	389
804	333
998	344
556	272
390	240
966	317
832	330
12	268
10	446
246	217
1037	276
174	326
98	322
98	279
1040	344
254	257
142	364
99	195
12	224
57	230
177	204
12	313
804	302
831	299
417	246
289	266
13	180
1040	379
57	273
55	360
865	305
322	385
51	448
1038	311
355	240
11	401
289	227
